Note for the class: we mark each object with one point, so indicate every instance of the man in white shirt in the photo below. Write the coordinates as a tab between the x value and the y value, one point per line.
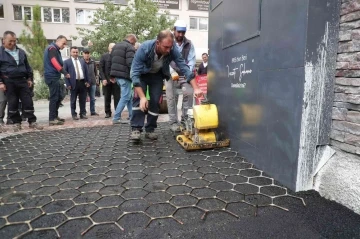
77	83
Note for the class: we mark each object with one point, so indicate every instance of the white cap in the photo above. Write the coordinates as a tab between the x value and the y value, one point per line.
180	26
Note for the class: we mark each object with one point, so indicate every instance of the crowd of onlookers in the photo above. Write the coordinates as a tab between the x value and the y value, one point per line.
131	73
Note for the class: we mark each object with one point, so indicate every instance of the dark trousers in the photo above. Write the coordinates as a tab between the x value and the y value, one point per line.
18	89
54	98
111	89
155	84
81	91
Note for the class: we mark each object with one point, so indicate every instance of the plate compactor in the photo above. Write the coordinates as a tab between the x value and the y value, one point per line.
199	129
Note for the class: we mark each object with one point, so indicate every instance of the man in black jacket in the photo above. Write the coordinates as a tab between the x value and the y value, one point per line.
93	78
121	58
203	66
16	79
109	88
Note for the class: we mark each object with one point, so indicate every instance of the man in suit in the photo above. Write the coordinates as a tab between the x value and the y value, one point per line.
203	66
77	83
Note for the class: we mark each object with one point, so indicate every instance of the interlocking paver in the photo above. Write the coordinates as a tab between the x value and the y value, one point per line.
134	220
109	201
157	197
108	231
107	214
58	206
160	210
51	220
36	201
10	231
48	233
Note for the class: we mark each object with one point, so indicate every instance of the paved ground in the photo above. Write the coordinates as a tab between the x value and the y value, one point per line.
92	182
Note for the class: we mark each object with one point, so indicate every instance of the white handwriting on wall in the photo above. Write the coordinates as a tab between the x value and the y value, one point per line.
241	69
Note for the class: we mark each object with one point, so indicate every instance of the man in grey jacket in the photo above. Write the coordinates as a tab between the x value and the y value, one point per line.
94	80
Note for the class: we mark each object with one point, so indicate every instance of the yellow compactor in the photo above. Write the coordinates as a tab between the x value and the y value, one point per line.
199	130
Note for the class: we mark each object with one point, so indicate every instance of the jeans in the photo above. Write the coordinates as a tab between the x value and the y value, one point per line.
55	97
155	84
92	90
125	99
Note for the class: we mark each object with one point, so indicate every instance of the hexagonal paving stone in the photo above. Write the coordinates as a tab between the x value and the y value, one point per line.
186	168
48	233
213	177
154	178
261	181
114	181
172	172
116	173
208	169
115	166
77	176
203	192
95	178
21	174
197	183
87	197
157	186
273	190
25	215
73	184
250	172
175	181
58	206
221	186
228	154
189	215
37	201
246	188
237	179
12	197
241	209
111	190
108	231
66	194
135	175
106	215
203	163
211	204
258	199
74	228
36	178
91	187
184	161
11	231
134	193
161	210
44	170
242	165
179	189
109	201
192	175
81	210
134	220
95	171
184	200
137	183
2	222
11	183
134	205
215	159
153	170
229	171
157	197
210	153
46	190
134	168
230	196
49	220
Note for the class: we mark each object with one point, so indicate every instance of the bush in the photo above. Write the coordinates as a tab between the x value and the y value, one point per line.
41	90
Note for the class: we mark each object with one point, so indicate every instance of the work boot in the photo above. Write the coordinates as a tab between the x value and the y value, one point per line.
60	119
55	122
135	135
35	125
151	135
94	114
16	127
175	127
83	117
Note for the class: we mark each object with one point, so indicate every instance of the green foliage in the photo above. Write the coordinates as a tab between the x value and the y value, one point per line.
34	42
41	89
113	23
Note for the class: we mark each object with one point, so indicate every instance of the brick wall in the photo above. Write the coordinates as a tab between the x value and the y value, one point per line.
345	132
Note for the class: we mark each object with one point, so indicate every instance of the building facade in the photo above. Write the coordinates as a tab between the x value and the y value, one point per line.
64	16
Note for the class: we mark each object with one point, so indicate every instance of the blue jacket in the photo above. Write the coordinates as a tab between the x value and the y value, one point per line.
10	69
144	58
69	67
49	70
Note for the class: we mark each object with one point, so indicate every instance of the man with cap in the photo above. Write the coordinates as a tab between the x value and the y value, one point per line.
187	50
93	78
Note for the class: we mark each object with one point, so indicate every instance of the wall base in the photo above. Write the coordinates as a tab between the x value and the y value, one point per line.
339	180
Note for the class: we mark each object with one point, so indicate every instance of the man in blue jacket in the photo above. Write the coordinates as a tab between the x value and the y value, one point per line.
149	67
78	82
16	79
53	68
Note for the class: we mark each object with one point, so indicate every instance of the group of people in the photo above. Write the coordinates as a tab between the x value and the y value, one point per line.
128	71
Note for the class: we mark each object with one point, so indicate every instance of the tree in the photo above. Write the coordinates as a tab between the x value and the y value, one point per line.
112	23
34	42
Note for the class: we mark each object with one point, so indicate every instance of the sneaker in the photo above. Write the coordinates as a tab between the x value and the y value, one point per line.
175	127
125	121
60	119
94	114
116	122
16	127
135	135
55	122
35	125
75	117
83	117
107	115
151	135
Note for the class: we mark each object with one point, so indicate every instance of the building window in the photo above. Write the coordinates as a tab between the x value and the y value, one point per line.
1	10
199	23
56	15
20	12
84	16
